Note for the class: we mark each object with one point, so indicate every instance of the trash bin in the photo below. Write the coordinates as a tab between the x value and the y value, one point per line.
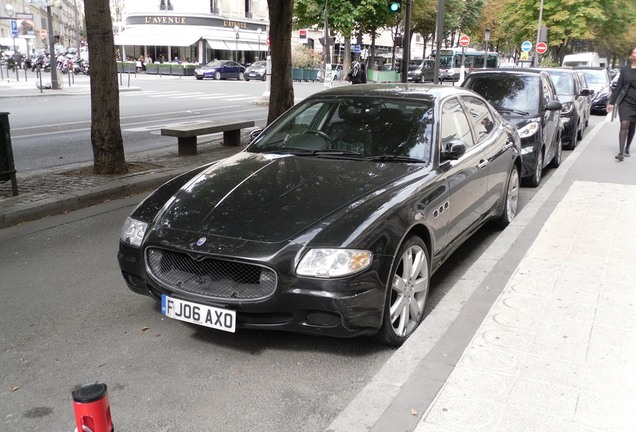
7	166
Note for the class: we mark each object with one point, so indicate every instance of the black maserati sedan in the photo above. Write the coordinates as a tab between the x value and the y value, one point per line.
333	219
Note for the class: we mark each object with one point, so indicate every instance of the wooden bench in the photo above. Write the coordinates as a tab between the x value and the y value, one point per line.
187	133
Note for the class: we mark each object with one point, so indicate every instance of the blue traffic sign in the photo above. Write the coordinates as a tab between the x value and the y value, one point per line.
526	46
356	48
14	28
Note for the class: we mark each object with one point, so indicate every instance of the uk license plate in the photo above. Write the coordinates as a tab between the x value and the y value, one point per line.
207	316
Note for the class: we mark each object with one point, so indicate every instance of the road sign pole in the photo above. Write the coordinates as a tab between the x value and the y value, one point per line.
535	63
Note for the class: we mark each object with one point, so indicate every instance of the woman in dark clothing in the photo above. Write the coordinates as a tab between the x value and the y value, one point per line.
624	95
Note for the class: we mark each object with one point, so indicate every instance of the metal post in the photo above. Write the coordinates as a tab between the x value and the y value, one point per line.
406	42
54	81
535	58
441	6
236	29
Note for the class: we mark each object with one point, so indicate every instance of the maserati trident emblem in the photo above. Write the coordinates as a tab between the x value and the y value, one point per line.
201	241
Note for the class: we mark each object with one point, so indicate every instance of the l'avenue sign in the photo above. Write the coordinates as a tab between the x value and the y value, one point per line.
165	20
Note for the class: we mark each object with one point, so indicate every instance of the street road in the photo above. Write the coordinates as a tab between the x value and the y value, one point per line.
67	318
49	131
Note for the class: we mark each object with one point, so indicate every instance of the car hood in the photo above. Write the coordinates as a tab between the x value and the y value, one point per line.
272	198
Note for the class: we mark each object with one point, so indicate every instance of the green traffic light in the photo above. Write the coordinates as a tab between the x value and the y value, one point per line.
394	6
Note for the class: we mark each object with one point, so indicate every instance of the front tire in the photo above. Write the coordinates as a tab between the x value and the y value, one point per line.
407	292
217	75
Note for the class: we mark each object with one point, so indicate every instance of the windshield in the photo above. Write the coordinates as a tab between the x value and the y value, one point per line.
259	64
507	91
563	82
353	127
216	63
596	77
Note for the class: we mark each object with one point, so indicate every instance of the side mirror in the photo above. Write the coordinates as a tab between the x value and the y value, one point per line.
254	134
554	105
586	92
454	149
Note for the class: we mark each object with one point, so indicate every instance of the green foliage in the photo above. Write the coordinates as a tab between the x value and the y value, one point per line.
304	57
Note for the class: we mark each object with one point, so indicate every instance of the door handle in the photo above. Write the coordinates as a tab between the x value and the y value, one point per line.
482	164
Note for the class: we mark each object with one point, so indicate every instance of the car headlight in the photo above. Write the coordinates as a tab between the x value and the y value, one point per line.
602	94
529	129
567	108
133	232
328	263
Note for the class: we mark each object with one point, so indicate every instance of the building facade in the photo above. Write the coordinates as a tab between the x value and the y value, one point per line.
195	31
66	27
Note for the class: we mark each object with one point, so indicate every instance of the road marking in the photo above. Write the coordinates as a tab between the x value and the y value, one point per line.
231	97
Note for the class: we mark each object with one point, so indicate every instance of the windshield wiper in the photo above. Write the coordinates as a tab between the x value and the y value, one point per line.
511	110
394	158
336	152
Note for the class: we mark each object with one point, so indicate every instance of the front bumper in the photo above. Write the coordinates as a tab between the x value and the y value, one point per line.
530	148
569	128
343	307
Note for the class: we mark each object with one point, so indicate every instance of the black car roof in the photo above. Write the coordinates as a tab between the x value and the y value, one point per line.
395	90
507	70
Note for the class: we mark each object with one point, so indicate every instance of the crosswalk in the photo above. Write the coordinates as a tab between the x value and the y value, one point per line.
187	95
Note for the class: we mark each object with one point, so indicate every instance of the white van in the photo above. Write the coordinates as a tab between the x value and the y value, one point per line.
586	59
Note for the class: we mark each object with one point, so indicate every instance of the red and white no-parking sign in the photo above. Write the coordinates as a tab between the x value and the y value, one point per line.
464	40
541	48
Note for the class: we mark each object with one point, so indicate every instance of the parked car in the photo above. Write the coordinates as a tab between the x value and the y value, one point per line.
421	70
220	69
333	219
587	108
527	99
573	98
256	71
336	72
598	80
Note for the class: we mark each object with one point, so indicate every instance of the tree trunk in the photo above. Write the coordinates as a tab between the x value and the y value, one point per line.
106	138
281	96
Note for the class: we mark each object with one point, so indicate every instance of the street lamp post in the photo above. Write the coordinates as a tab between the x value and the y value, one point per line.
10	10
236	29
486	39
258	32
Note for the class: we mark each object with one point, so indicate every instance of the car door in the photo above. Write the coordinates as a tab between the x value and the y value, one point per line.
551	121
467	176
492	142
428	70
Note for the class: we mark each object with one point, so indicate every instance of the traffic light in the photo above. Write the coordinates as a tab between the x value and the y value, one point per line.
395	6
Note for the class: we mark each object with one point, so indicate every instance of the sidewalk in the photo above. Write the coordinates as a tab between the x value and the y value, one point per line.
546	339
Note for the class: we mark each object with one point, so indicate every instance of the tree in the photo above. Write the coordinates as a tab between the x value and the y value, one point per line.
106	138
281	96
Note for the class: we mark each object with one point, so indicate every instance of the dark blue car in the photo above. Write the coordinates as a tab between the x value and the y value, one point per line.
221	69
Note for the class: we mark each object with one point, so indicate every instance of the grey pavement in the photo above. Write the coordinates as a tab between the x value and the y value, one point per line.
545	337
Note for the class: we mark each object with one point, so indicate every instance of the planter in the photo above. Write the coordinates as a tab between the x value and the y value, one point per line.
297	74
310	74
126	67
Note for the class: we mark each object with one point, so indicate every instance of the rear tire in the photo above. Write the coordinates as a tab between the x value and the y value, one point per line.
407	292
511	199
558	157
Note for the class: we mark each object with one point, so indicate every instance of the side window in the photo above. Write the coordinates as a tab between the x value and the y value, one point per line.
548	90
455	125
481	117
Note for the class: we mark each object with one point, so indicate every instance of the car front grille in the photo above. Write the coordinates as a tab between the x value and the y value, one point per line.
210	277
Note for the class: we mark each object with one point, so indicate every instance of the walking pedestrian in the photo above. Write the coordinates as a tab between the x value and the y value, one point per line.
358	73
624	95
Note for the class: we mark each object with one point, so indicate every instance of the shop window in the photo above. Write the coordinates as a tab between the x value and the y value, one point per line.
214	7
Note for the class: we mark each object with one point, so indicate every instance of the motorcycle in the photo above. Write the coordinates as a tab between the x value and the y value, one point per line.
80	66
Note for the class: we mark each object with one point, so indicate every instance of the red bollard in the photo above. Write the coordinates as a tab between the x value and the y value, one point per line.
92	410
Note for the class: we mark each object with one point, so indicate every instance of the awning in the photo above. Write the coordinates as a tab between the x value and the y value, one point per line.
149	35
217	44
231	45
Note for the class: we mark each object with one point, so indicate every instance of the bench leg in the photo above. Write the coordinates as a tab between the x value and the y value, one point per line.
232	137
187	146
